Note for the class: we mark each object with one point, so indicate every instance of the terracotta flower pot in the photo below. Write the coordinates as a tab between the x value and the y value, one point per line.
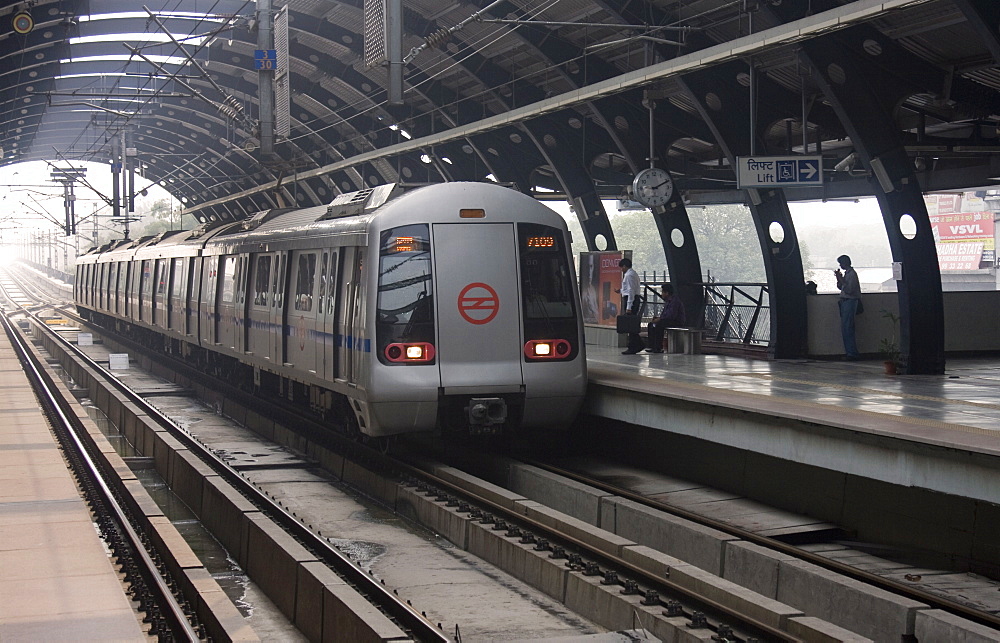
890	367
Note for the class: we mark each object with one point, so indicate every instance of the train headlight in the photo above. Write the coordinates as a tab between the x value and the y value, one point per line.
546	349
410	353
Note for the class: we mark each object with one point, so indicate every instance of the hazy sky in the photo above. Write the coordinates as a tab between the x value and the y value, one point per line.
27	192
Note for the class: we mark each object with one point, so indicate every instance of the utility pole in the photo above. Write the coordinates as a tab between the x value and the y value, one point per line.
265	75
68	177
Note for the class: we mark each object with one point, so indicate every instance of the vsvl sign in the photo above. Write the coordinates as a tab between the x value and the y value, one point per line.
779	171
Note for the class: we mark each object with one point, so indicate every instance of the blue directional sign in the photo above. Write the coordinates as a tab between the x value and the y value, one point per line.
779	171
265	58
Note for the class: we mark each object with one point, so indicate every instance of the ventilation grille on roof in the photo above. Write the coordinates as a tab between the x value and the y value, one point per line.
354	203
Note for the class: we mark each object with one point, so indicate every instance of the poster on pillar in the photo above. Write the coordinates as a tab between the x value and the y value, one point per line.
600	277
963	227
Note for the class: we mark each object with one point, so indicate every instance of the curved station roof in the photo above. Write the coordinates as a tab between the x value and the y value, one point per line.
563	97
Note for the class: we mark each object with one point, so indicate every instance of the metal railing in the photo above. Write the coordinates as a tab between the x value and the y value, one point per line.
737	312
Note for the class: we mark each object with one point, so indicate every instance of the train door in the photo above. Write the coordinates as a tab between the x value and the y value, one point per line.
350	327
478	306
101	285
259	305
327	313
112	304
225	317
129	289
242	314
276	323
161	299
146	291
208	324
175	306
191	297
108	282
302	347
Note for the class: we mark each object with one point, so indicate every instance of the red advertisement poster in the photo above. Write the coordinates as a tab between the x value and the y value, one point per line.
600	276
963	231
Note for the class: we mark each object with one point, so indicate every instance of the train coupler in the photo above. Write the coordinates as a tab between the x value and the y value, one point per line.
486	414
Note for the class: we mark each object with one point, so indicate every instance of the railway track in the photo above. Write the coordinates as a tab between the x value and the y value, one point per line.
411	623
457	504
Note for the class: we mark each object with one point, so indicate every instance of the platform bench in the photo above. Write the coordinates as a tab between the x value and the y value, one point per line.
683	340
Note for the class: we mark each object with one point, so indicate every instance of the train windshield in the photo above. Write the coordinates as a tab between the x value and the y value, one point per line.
546	283
405	293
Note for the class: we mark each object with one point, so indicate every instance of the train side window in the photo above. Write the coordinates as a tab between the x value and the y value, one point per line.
262	280
161	279
146	285
212	266
177	278
305	282
228	279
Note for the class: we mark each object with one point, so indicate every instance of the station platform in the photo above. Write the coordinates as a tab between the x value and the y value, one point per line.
958	412
56	579
835	439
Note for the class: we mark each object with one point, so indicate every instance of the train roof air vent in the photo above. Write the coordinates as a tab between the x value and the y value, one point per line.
254	221
351	204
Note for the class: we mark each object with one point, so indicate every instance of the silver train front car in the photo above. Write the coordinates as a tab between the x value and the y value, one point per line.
451	306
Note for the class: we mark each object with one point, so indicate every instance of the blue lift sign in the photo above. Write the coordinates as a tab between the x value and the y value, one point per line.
779	171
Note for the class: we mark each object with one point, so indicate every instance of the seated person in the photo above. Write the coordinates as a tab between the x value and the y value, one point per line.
673	316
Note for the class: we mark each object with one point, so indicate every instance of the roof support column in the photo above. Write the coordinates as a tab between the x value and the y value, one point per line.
860	92
984	17
558	147
722	101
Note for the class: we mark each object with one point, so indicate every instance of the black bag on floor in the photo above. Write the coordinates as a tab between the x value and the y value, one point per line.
629	323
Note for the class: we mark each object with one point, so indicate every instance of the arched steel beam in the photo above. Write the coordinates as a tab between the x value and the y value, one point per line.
984	16
859	90
724	104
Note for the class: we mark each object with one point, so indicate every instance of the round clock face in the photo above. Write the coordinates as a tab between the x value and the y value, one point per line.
652	187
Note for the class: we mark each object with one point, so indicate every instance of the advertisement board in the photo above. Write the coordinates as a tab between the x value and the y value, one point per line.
600	277
963	230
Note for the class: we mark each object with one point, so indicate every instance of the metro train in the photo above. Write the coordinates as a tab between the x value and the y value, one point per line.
449	307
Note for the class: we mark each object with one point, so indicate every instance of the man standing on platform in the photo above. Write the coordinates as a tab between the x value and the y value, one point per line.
631	302
850	296
673	316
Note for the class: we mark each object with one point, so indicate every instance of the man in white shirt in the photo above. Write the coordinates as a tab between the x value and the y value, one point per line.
631	303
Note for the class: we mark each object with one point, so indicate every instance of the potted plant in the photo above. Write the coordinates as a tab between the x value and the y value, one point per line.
887	346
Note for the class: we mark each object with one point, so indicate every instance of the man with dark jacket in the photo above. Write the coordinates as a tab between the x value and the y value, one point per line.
850	296
673	316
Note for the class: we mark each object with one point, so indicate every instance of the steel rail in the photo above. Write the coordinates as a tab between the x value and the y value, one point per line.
520	519
391	605
935	601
